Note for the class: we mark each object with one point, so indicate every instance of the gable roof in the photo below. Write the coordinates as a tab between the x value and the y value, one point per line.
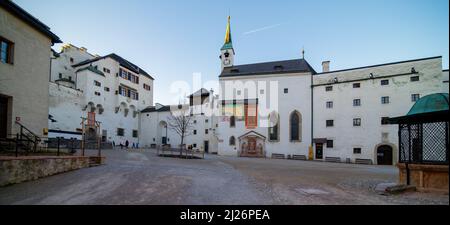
154	109
92	69
202	92
16	10
277	67
123	62
252	133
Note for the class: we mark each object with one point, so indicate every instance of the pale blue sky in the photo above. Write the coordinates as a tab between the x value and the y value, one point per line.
171	39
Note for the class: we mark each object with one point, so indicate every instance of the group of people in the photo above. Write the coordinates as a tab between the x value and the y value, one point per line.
126	145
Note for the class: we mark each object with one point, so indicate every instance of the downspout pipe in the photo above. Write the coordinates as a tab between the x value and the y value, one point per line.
312	110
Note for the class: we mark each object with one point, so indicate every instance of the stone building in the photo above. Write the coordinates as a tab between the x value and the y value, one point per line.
25	44
109	86
351	107
286	109
202	134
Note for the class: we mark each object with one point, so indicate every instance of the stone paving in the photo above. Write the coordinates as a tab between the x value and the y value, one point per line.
140	177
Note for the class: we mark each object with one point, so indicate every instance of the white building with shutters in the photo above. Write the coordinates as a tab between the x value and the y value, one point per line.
351	107
110	86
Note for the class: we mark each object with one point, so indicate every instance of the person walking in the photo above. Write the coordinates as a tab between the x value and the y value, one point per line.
126	144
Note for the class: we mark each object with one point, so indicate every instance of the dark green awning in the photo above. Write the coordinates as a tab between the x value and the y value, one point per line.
430	108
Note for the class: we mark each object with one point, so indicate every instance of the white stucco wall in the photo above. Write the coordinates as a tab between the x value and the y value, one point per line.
152	131
62	64
298	98
445	81
25	82
370	134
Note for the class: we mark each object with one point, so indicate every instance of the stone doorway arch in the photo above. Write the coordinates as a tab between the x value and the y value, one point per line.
394	152
385	155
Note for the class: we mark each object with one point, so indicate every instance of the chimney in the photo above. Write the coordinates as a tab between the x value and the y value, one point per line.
325	66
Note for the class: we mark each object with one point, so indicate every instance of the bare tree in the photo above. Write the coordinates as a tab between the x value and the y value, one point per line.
180	121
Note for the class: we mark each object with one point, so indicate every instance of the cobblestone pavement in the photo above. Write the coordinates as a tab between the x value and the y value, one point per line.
140	177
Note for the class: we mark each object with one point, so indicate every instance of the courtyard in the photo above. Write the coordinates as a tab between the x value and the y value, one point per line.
141	177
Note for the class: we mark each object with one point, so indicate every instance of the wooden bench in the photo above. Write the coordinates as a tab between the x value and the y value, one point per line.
299	157
364	161
278	156
333	159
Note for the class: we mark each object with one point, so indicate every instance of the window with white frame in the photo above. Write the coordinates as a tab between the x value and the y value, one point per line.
329	104
384	82
357	122
415	97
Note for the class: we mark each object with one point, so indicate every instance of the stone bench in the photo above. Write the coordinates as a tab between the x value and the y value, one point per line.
333	159
278	156
299	157
364	161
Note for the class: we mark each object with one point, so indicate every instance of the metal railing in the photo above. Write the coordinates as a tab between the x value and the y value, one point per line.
424	143
166	150
26	135
26	143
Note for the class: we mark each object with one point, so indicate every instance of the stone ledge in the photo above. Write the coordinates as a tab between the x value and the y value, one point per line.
427	167
425	177
16	170
6	158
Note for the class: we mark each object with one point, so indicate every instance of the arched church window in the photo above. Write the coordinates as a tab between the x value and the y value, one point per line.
232	141
274	126
295	122
232	121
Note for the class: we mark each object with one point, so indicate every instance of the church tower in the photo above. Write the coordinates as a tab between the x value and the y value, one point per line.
227	51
